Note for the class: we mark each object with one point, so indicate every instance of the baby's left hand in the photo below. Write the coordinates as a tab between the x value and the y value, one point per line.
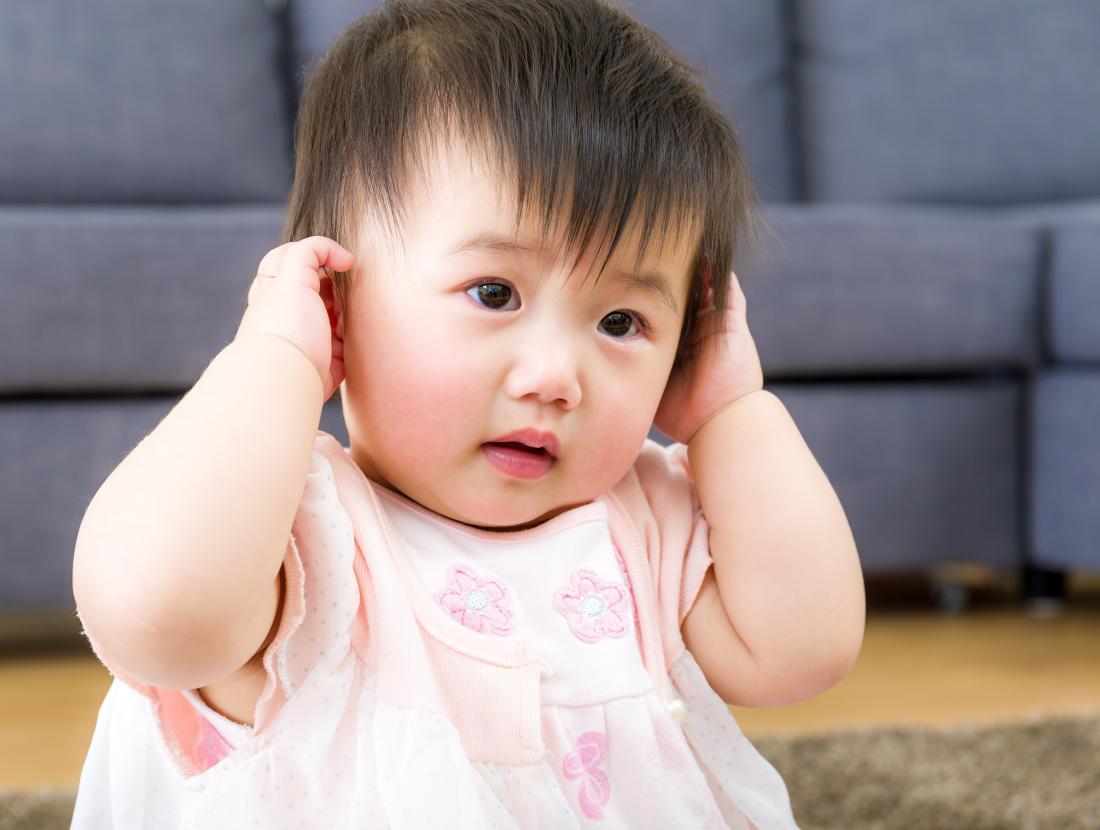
723	368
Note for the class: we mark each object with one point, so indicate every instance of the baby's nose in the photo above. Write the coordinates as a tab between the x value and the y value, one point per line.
549	368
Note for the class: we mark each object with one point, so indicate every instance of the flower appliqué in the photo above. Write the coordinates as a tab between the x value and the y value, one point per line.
483	604
593	607
584	763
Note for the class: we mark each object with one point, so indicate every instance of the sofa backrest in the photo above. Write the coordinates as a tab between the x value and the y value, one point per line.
102	105
983	102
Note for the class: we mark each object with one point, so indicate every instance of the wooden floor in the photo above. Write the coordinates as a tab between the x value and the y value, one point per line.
994	661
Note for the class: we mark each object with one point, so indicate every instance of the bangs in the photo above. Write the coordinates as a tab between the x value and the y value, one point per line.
555	195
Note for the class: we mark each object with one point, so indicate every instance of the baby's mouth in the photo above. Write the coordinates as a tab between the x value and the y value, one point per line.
518	460
518	446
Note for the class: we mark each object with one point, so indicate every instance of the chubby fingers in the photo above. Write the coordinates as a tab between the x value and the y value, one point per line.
298	262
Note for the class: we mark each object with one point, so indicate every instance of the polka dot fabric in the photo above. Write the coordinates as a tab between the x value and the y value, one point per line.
530	679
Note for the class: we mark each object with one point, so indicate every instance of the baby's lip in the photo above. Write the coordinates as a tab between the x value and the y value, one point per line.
532	438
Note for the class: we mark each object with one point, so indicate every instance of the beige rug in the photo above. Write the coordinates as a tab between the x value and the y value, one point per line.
1029	776
1036	775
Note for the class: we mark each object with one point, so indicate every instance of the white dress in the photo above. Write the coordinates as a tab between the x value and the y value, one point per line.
429	674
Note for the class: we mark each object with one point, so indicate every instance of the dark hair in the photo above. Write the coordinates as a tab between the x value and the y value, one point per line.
563	94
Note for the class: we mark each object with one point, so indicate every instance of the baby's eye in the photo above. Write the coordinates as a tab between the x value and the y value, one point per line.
625	318
496	294
491	292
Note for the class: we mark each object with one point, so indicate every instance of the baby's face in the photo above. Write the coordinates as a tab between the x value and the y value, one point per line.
436	366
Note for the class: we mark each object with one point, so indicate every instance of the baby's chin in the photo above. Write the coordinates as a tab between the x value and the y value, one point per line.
504	521
508	528
520	522
484	505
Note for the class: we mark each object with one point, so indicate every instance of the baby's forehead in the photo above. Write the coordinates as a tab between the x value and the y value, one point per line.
466	200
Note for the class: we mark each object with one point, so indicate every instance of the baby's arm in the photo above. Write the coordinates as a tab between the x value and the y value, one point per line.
179	548
782	617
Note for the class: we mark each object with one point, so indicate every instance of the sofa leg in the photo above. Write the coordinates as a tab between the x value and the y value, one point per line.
950	596
952	584
1044	591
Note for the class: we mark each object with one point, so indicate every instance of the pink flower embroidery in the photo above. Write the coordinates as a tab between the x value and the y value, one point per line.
594	608
584	762
481	604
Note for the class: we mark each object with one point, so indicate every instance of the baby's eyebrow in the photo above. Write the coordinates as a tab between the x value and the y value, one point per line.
501	243
650	282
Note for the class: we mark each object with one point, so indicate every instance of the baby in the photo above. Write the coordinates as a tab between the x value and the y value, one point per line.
502	605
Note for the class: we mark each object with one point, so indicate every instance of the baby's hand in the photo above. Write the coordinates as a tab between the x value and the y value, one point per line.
723	367
285	300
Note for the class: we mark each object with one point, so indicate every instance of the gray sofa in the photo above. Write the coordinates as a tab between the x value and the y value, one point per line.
928	314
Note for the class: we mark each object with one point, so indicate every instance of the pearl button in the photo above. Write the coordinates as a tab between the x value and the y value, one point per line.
476	600
591	606
677	709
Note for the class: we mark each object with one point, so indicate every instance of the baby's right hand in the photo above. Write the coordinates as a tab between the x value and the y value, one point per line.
287	303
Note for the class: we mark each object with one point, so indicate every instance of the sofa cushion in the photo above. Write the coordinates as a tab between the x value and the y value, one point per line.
865	290
1065	441
57	452
124	299
131	101
1073	324
983	102
929	472
741	49
1070	302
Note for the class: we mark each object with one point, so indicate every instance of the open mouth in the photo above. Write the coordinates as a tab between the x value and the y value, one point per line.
518	460
517	446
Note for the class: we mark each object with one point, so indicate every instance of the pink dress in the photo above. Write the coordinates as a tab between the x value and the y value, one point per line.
428	674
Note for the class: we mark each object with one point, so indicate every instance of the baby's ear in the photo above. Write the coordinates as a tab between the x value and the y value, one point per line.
333	306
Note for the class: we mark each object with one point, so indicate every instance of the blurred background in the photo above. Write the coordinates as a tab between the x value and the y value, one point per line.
928	312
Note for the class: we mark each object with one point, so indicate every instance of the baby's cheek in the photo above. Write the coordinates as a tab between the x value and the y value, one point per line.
431	386
616	436
399	384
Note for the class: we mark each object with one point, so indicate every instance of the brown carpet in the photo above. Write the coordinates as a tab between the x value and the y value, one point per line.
1027	776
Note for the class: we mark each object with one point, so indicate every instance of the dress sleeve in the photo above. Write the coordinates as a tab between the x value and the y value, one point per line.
324	572
677	533
318	564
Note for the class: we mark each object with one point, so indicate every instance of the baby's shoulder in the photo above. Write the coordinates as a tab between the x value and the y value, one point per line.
658	482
